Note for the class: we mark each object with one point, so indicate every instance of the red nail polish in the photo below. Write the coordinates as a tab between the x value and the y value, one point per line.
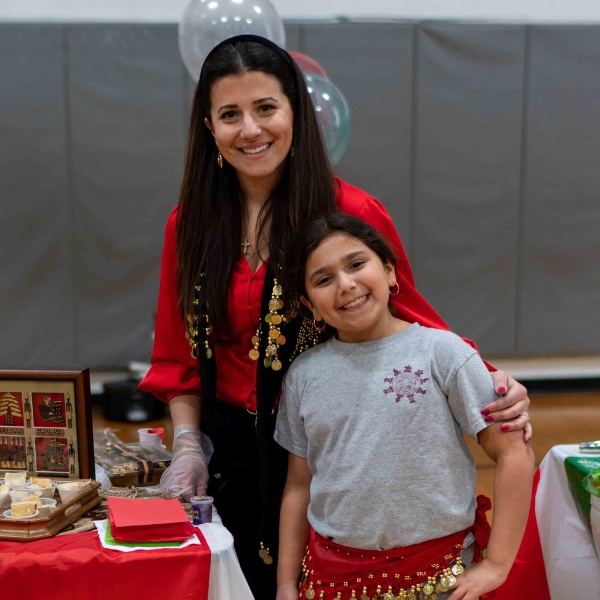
501	390
488	419
486	411
504	427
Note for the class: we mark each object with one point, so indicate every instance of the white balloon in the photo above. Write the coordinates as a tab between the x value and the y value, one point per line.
333	114
206	23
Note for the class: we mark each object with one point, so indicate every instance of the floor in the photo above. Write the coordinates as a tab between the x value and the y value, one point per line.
565	418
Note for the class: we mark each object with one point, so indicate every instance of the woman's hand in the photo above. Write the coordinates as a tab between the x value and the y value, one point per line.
477	580
512	405
187	475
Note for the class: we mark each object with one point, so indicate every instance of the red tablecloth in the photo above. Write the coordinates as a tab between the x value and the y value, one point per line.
527	578
76	567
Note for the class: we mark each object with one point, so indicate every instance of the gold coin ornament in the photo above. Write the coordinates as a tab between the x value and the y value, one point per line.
310	593
269	318
273	334
277	290
428	589
209	353
276	365
254	354
268	560
276	319
450	579
458	569
255	339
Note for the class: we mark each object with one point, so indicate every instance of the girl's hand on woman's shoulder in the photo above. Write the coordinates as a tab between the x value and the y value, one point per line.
478	580
512	405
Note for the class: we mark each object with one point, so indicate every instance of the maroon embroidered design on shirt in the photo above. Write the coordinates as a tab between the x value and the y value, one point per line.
405	384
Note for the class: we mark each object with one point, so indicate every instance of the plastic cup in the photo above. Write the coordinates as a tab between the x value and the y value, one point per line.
47	492
68	491
201	509
21	495
151	439
47	508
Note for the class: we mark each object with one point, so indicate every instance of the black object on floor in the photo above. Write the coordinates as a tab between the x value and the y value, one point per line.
124	402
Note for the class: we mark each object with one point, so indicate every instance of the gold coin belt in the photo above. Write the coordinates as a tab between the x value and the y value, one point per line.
192	328
276	338
427	589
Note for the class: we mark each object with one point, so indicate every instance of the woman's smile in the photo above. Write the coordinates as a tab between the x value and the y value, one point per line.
252	122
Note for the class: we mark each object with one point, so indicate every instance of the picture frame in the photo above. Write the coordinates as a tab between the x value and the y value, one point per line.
46	423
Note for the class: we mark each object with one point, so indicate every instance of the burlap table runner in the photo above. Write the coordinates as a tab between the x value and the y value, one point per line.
99	512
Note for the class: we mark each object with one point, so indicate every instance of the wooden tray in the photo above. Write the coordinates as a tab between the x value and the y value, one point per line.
26	530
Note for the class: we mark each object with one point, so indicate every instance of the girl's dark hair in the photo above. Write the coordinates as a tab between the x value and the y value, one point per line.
211	205
315	232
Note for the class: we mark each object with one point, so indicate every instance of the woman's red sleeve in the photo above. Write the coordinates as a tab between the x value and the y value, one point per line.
409	304
173	371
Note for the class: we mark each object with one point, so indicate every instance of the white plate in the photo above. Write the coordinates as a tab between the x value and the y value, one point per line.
7	515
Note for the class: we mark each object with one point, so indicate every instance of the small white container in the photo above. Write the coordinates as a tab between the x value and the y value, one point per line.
7	515
20	495
69	491
44	492
20	487
152	439
47	508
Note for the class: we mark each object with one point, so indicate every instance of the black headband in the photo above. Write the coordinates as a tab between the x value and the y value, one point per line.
257	39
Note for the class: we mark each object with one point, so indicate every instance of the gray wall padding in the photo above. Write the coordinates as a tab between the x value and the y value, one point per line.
482	140
467	154
559	286
127	132
37	316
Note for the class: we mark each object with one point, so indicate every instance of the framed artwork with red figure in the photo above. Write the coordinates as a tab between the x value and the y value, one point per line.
45	423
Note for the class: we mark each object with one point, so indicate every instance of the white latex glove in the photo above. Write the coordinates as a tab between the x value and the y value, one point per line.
187	475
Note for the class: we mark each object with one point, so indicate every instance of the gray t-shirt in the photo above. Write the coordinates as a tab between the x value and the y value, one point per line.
381	426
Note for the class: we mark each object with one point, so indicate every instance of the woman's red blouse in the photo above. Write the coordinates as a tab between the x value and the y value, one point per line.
175	372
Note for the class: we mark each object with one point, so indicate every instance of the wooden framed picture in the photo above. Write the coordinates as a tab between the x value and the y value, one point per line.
46	423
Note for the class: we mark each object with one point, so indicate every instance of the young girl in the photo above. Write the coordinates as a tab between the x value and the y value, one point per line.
379	500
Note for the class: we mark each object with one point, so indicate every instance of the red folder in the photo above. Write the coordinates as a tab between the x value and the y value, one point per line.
160	520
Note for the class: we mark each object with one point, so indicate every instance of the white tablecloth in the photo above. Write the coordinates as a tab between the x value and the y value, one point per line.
227	581
571	561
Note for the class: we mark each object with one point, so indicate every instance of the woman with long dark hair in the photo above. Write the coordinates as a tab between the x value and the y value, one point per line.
256	169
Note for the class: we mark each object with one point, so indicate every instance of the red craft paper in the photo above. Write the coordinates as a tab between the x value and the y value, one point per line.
161	520
72	563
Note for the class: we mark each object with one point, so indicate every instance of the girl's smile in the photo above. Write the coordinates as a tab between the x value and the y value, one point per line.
348	288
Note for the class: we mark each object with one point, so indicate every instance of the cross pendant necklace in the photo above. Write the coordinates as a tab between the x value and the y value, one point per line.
245	247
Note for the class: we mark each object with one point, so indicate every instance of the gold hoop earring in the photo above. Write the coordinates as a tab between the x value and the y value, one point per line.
318	326
397	287
220	160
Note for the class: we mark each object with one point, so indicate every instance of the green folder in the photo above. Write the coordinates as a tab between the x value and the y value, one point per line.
110	540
